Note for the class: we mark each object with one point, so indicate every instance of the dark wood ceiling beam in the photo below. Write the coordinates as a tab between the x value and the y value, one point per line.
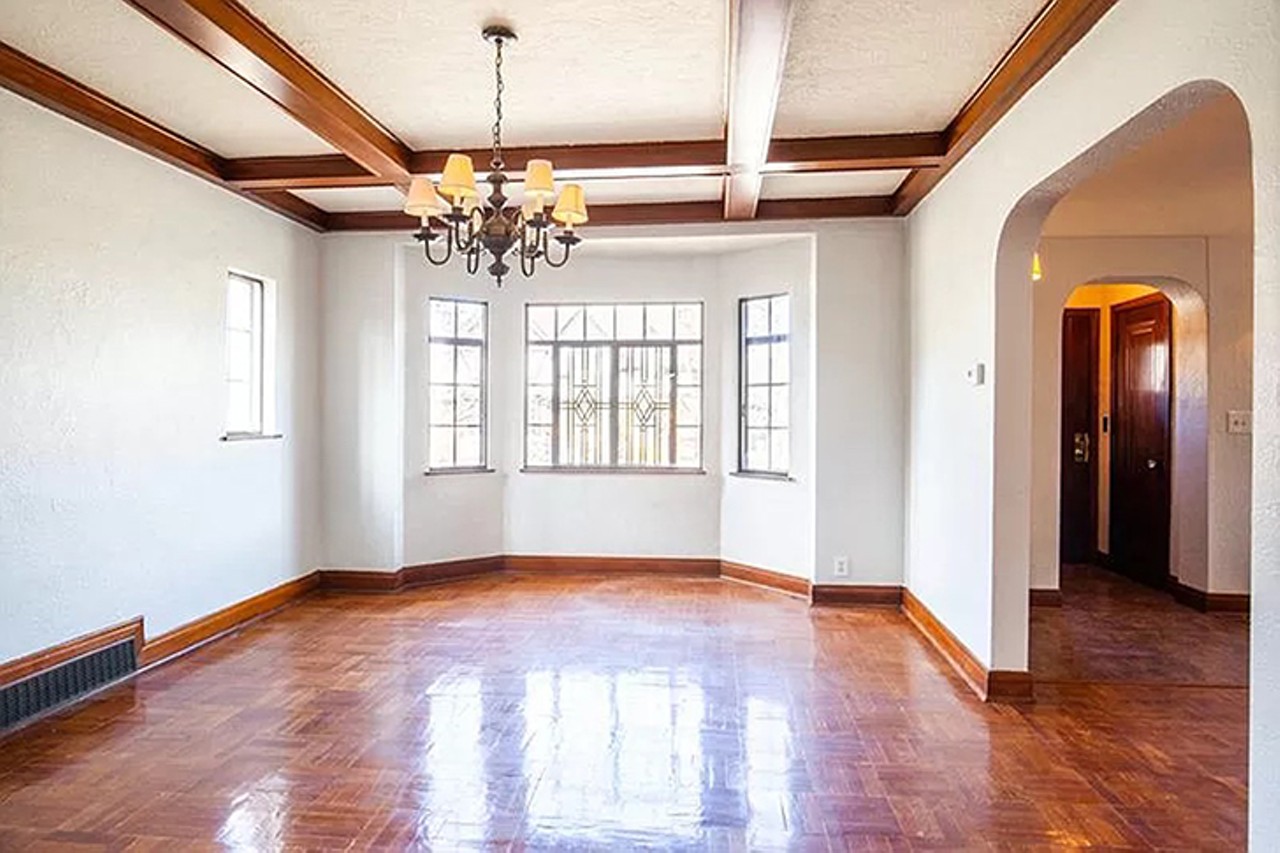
299	173
857	153
289	205
1058	28
670	158
758	34
227	33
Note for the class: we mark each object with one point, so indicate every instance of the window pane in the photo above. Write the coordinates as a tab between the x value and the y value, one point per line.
468	402
239	303
442	319
688	450
779	450
441	358
630	322
540	365
441	450
239	407
659	324
542	322
689	322
585	393
780	406
757	320
471	320
781	362
441	405
539	405
780	320
467	447
570	322
600	322
240	356
758	407
538	446
757	449
757	364
644	406
468	365
689	406
689	364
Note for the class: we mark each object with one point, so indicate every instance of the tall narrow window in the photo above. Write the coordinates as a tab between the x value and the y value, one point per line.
765	375
614	386
457	420
246	374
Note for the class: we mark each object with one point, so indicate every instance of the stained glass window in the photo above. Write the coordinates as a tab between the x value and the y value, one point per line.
457	356
614	386
765	373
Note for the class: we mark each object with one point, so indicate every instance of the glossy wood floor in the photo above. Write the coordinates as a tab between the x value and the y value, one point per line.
572	714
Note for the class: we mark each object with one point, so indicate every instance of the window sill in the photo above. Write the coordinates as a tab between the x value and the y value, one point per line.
763	475
251	436
645	472
452	472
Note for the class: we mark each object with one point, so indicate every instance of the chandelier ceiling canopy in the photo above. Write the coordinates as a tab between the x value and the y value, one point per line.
471	226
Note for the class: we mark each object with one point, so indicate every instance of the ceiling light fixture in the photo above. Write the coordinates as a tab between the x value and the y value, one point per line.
470	226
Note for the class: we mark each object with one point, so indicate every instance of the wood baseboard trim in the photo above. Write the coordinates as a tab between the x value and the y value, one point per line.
856	595
429	574
990	685
1209	602
610	566
766	578
20	669
1046	598
226	620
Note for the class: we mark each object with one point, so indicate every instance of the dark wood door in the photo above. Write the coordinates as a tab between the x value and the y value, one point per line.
1141	392
1078	534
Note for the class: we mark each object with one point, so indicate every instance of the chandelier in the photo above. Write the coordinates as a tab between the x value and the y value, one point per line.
470	227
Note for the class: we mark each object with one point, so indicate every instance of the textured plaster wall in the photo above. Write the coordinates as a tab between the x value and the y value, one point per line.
116	497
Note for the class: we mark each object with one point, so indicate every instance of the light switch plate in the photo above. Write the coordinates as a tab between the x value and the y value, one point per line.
841	569
1240	422
977	374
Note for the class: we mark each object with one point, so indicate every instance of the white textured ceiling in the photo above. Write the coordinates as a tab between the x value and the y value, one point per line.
1194	179
110	47
781	185
582	70
346	199
891	66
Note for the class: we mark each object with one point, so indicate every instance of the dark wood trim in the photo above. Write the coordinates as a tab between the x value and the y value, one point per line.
543	564
663	213
635	159
230	35
427	574
777	581
226	620
857	595
1058	28
299	173
857	153
1209	602
35	663
1046	598
54	90
759	31
990	685
358	580
849	207
289	205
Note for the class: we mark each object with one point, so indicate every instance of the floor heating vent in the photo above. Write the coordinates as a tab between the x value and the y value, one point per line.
53	687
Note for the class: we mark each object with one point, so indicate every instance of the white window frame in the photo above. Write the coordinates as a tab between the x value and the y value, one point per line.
481	344
615	344
745	384
261	362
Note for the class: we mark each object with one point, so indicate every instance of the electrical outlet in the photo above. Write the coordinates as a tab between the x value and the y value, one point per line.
841	569
1240	423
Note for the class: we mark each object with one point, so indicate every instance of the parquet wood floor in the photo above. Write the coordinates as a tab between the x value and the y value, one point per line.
641	713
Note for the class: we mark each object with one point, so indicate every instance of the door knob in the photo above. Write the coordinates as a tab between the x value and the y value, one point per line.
1152	464
1080	447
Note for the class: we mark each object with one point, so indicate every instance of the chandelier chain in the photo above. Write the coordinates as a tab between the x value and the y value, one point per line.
497	106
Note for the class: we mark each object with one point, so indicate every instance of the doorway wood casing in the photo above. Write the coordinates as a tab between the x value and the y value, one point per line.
1078	539
1141	398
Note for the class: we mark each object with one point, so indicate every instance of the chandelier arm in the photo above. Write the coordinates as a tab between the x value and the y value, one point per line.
564	259
473	258
528	253
448	251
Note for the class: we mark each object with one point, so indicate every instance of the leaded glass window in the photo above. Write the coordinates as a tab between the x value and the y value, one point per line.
457	361
765	376
614	386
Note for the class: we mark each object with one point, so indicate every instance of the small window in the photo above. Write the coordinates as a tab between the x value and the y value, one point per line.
765	374
458	355
614	386
247	357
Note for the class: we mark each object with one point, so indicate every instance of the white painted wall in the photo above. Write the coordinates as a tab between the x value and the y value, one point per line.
116	497
969	474
1211	520
375	284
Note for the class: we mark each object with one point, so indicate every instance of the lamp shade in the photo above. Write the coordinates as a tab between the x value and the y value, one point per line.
422	199
538	182
459	180
571	208
531	206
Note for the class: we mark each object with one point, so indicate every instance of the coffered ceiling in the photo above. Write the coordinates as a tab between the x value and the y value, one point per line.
663	109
